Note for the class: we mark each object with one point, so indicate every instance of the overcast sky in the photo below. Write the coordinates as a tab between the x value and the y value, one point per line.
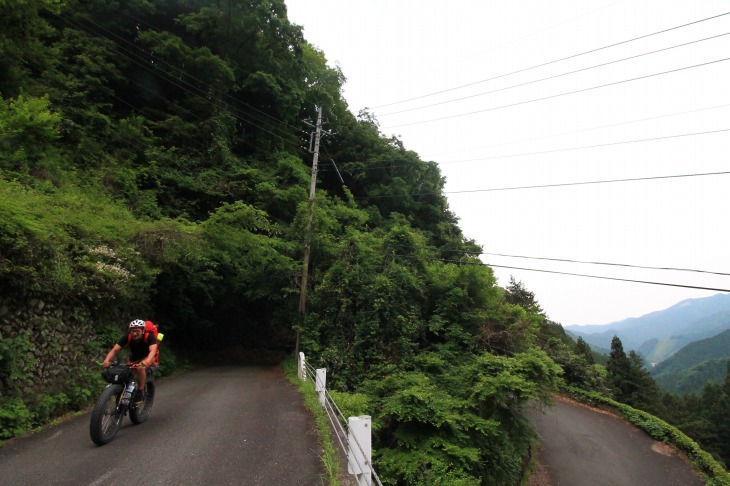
524	93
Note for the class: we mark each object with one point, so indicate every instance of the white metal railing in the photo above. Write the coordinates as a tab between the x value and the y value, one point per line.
354	434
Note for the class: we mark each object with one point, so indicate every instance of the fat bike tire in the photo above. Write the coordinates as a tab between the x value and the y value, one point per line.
140	414
106	416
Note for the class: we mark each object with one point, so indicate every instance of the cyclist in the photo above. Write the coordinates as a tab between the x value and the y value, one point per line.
142	353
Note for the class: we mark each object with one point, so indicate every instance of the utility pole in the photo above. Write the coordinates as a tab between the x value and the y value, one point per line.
305	267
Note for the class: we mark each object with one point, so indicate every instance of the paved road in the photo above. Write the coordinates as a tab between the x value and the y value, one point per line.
222	426
583	446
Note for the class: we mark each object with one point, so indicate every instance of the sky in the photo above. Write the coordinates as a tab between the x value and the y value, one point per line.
578	96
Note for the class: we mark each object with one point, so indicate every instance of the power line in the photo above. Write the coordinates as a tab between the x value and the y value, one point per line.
554	61
470	262
567	149
551	77
540	138
609	264
560	94
492	48
548	185
590	182
565	260
612	278
624	142
587	129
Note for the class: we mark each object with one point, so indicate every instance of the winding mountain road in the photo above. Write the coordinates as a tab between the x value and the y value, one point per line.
585	446
222	426
246	425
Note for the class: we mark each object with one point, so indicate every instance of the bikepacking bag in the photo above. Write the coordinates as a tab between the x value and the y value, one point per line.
117	373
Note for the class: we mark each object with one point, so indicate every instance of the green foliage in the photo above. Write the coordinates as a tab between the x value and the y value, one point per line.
49	406
583	349
577	369
630	381
171	362
695	364
69	244
22	32
83	389
693	378
516	293
458	418
28	130
16	359
351	404
706	418
15	418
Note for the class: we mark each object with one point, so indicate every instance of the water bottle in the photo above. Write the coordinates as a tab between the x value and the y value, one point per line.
129	391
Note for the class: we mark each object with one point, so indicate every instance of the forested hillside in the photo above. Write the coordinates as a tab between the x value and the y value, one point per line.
155	163
694	365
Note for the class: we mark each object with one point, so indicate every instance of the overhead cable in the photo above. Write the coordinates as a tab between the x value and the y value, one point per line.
567	149
540	138
548	78
560	94
624	142
612	278
512	142
609	264
472	253
554	61
472	262
541	186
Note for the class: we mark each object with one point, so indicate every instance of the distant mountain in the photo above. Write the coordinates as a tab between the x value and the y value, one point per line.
695	364
659	334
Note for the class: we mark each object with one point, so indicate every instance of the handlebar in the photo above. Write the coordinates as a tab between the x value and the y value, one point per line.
131	365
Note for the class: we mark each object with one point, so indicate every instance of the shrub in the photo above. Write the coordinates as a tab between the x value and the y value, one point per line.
15	418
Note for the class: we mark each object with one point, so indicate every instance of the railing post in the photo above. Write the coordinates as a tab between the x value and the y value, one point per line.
321	384
359	454
301	371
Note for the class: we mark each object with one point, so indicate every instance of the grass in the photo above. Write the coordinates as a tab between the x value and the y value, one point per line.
330	457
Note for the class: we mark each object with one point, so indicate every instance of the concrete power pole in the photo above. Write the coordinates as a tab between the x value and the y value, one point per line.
305	267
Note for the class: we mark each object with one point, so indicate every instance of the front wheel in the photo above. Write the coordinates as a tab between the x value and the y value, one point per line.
139	414
106	416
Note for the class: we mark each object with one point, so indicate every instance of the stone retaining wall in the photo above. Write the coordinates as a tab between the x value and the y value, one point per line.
61	338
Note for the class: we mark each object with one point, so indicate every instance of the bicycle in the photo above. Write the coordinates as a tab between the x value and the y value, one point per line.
117	400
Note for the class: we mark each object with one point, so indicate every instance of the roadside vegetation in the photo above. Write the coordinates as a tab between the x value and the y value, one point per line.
331	453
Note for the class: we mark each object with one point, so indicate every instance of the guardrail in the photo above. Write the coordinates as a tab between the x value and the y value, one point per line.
353	434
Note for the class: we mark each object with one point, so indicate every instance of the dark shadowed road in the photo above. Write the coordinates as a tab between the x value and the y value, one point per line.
583	446
222	426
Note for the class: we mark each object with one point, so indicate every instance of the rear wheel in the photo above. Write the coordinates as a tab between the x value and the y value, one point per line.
106	416
139	414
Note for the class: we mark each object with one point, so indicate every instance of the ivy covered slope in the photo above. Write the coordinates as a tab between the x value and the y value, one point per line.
153	163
